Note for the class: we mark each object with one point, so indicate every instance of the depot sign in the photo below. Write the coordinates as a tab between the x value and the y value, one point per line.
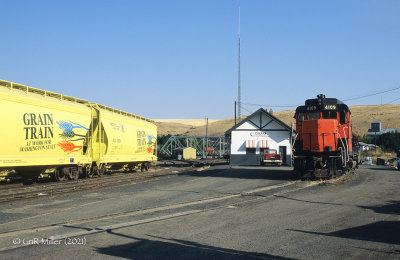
258	134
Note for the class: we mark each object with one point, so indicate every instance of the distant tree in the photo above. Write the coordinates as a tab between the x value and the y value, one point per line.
390	142
161	140
364	139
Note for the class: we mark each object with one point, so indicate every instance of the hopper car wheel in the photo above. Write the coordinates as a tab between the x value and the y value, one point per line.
59	175
101	171
84	171
74	173
92	172
145	167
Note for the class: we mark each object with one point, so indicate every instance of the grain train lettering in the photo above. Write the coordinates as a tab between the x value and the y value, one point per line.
32	119
38	126
141	138
38	132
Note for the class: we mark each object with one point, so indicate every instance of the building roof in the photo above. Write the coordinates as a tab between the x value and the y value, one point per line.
383	131
365	144
261	110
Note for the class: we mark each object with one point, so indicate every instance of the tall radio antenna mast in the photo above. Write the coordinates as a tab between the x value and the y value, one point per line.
239	94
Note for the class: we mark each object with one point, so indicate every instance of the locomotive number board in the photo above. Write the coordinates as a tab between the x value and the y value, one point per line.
330	107
326	107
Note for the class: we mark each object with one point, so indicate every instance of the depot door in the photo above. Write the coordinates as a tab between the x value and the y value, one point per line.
282	152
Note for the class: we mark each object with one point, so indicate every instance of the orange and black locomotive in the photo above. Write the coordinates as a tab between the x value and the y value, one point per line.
324	146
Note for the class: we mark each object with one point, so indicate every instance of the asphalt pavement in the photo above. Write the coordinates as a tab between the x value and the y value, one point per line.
217	213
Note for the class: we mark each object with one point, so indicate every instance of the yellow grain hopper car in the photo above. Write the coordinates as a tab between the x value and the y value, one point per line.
122	140
48	133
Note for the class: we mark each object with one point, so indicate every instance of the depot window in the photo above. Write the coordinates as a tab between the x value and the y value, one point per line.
329	115
250	150
313	115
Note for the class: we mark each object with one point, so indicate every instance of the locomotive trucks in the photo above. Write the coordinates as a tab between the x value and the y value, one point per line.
48	133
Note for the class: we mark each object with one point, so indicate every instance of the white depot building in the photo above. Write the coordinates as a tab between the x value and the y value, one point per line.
259	131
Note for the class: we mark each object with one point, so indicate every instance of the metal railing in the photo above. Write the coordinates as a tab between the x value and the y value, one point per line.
216	144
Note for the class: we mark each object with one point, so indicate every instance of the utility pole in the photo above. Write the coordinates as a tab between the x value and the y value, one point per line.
291	144
235	112
207	138
239	91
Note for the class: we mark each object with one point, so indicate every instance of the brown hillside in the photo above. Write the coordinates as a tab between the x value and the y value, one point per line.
164	128
362	117
192	122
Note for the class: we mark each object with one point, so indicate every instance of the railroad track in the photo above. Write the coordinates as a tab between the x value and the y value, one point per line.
42	190
14	192
16	183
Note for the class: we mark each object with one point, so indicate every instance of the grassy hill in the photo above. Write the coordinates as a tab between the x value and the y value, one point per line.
362	117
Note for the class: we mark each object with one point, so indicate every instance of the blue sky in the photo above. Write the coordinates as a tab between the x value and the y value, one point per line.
178	59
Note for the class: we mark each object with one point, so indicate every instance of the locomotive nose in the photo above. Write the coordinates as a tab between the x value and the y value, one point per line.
318	135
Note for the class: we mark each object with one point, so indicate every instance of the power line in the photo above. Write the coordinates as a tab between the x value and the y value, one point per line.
392	101
370	95
348	99
247	110
263	105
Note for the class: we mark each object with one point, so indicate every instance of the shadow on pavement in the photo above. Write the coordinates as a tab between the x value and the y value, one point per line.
175	249
267	173
381	231
379	251
393	207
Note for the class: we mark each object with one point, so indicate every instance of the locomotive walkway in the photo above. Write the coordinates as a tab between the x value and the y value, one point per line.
220	212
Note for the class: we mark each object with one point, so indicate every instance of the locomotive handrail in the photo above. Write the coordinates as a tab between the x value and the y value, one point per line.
295	138
340	137
347	144
341	155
